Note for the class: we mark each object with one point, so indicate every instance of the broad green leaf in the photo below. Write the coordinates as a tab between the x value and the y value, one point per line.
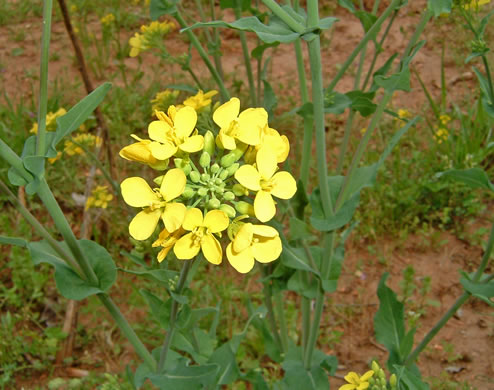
36	166
258	51
367	19
336	103
76	116
299	230
255	378
362	102
481	290
159	308
409	380
439	7
340	218
302	285
185	377
159	8
472	177
348	4
396	82
196	342
295	258
299	200
382	71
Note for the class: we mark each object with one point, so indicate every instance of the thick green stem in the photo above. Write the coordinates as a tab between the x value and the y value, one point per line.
489	78
217	42
43	79
278	301
173	315
197	45
268	293
284	16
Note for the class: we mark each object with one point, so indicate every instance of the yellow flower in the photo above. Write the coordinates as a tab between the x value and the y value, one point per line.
157	28
201	235
167	240
51	121
173	132
73	8
245	127
85	139
270	138
156	203
476	4
200	100
363	130
164	99
266	183
356	382
99	197
441	135
108	19
253	242
444	119
141	152
404	114
137	44
53	159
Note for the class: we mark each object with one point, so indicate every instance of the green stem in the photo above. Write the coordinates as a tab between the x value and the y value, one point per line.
173	314
14	161
489	79
217	42
278	301
459	302
196	80
426	16
43	83
195	42
268	293
346	141
284	16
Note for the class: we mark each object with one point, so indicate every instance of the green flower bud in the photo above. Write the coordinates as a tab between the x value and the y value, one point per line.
195	176
205	177
381	374
219	189
245	208
209	142
228	159
202	191
382	382
375	367
224	174
228	210
214	203
215	168
188	193
229	196
392	381
233	168
186	169
205	160
240	190
158	180
218	181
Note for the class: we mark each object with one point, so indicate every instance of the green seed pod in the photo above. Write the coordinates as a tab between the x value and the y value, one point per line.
245	208
233	168
392	381
223	174
240	190
205	160
188	193
229	196
158	180
214	203
228	210
215	168
202	191
228	159
205	177
195	176
209	142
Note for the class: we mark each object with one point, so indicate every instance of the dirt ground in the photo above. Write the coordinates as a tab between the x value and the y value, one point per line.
471	331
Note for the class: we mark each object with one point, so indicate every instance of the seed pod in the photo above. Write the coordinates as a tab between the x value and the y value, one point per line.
209	142
205	160
214	203
195	176
228	210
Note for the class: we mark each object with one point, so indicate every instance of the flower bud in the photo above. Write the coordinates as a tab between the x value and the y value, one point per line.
209	142
381	374
158	180
205	160
215	168
245	208
240	190
233	168
202	191
218	181
228	159
205	177
223	174
186	169
375	366
214	203
228	210
188	193
195	176
392	381
229	196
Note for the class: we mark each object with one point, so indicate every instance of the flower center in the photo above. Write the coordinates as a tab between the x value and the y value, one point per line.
266	185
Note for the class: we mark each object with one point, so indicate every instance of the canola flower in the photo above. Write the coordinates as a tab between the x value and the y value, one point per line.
441	135
200	100
86	139
149	37
164	99
218	183
107	20
51	121
475	4
99	198
357	382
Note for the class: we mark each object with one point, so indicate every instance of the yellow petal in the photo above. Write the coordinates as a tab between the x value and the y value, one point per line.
284	150
216	221
173	184
250	124
243	238
266	163
265	231
186	247
347	387
138	151
284	185
243	261
192	144
137	193
363	386
367	376
226	141
353	378
211	249
144	223
249	177
162	151
173	216
157	131
266	250
264	206
162	253
193	218
227	112
185	121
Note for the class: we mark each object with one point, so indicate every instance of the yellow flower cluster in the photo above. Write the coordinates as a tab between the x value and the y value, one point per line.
99	198
147	37
221	175
51	121
164	99
441	133
107	20
475	4
357	382
88	140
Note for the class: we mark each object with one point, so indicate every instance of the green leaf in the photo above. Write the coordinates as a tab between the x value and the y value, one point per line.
159	309
348	4
472	177
340	218
269	99
362	102
76	116
439	7
367	19
299	283
295	258
482	290
299	230
336	103
258	51
244	4
396	82
408	380
299	200
382	71
159	8
184	377
330	285
162	276
13	241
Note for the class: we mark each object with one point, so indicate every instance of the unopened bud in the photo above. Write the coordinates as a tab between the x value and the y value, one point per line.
381	374
202	191
240	190
215	168
229	196
223	174
188	193
205	177
205	160
392	381
214	203
195	176
209	142
228	159
383	382
158	180
375	366
244	208
233	168
228	210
